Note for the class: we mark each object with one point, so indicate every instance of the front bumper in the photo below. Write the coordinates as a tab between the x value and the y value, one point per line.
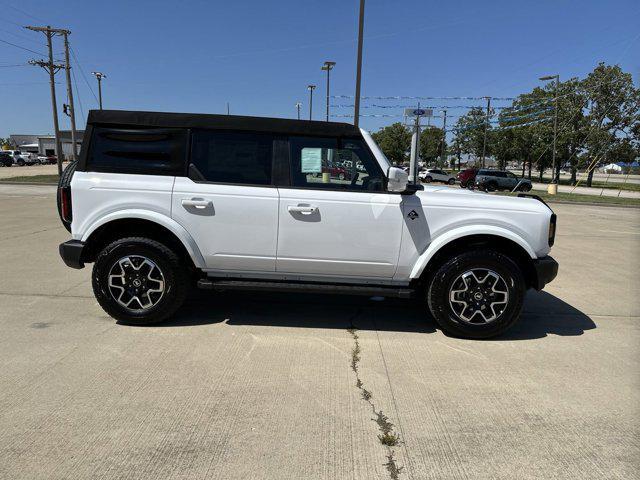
545	270
71	253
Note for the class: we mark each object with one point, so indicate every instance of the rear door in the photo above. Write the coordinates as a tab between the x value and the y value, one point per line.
227	202
337	227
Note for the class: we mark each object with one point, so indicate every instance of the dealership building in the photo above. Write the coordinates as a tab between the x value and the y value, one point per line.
46	144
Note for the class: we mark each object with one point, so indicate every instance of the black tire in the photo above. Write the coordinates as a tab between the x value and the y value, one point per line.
20	162
525	188
341	176
492	186
428	179
446	278
451	181
65	182
174	272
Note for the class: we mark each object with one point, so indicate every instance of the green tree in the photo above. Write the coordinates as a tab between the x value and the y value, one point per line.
431	145
469	132
614	104
395	142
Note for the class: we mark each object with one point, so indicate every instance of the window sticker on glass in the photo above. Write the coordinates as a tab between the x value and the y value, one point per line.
311	160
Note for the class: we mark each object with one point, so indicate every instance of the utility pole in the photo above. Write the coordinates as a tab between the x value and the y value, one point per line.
65	34
228	110
99	76
444	138
553	187
298	106
52	68
328	66
356	112
311	89
486	128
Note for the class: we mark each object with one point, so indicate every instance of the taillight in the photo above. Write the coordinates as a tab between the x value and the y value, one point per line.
552	229
65	203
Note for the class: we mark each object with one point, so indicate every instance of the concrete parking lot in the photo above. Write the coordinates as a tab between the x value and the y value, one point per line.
242	386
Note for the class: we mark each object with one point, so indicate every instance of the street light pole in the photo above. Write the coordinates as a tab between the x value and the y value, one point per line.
328	66
99	76
298	106
311	88
356	112
486	127
444	139
553	187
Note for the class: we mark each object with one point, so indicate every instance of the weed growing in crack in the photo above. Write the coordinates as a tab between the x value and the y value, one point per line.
388	437
392	467
366	394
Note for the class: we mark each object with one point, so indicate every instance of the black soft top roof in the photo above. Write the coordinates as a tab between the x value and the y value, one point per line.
220	122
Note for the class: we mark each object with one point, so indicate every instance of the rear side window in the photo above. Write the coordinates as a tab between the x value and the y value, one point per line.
232	157
140	151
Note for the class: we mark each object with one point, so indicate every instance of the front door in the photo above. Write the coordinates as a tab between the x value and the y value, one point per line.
228	203
336	218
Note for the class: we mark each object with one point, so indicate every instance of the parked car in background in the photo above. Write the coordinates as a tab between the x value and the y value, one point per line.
6	160
47	159
467	177
492	180
435	175
21	158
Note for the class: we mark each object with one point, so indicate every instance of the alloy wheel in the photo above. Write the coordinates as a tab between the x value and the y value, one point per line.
479	296
136	283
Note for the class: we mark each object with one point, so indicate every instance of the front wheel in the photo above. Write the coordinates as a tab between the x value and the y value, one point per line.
477	294
139	281
428	179
21	163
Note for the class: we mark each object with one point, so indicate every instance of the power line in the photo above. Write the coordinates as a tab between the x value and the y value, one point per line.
75	83
22	48
23	37
25	13
83	74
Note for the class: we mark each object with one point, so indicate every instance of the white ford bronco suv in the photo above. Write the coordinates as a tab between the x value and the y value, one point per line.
163	201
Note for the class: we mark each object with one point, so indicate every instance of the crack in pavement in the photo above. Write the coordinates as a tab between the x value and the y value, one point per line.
387	436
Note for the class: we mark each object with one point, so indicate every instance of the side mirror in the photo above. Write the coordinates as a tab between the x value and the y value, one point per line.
398	180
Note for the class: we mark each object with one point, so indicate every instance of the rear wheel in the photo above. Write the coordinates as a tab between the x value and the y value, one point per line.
451	181
428	179
525	187
20	162
492	186
139	281
477	294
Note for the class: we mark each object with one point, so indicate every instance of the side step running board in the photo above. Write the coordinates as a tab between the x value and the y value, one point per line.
370	291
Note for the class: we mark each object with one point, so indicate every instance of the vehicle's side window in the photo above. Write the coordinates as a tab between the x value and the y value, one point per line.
140	151
511	175
334	164
232	157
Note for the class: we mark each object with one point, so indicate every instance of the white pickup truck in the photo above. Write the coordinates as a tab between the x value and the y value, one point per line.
163	201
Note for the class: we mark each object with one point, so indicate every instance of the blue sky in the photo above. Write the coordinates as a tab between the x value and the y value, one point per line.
194	56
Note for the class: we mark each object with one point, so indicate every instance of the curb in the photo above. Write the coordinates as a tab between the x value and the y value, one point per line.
28	183
590	204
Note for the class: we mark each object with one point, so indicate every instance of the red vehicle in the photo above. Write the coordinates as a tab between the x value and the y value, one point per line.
467	177
337	172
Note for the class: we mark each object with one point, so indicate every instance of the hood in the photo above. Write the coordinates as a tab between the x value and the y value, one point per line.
459	197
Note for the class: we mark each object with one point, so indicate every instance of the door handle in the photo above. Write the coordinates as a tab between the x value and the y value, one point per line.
303	209
196	202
